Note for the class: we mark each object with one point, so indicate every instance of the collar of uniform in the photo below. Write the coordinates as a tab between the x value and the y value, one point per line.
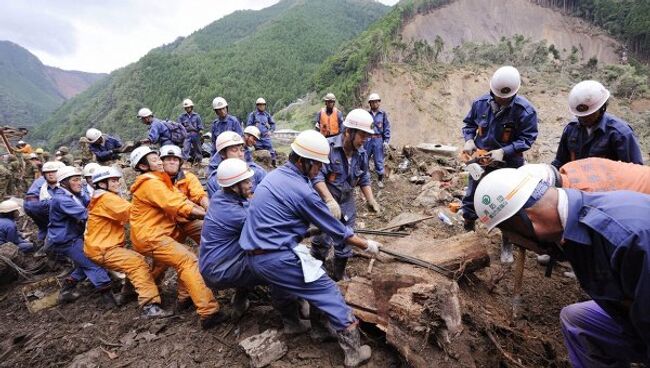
575	231
65	191
337	142
602	124
375	113
292	167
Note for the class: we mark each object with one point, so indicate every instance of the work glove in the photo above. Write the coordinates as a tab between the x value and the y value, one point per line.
386	147
497	154
373	206
334	208
373	247
469	147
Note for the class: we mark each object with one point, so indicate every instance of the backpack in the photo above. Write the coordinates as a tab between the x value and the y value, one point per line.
177	132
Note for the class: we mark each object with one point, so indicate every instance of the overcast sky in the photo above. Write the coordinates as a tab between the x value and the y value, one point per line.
103	35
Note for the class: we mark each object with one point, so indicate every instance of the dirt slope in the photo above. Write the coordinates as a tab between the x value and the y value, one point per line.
489	20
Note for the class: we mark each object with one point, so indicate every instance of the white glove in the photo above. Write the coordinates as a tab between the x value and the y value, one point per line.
334	208
374	206
497	154
469	147
373	247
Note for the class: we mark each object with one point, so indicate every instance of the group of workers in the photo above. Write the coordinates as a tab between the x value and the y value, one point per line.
249	226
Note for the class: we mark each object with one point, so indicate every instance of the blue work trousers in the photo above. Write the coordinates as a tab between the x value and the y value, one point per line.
192	147
238	275
84	267
282	270
594	339
322	243
375	149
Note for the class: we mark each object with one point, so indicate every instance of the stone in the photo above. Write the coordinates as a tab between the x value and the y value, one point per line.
264	349
433	195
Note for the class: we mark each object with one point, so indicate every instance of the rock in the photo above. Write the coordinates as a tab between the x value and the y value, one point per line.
436	173
438	149
419	179
89	359
433	195
262	156
264	349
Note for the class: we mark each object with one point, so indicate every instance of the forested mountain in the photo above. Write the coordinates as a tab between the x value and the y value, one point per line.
29	90
272	52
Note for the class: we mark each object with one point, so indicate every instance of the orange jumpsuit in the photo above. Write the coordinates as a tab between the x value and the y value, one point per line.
602	175
190	185
25	150
154	233
104	242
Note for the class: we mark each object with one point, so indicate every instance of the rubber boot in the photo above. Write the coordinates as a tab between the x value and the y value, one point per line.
380	181
184	305
213	320
68	293
240	303
350	342
154	310
469	225
320	327
339	265
108	299
291	321
126	295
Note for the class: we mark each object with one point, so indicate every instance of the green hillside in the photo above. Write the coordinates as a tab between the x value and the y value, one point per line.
271	52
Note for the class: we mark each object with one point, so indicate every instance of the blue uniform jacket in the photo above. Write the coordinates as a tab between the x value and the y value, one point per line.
341	177
192	122
104	152
612	138
159	133
607	242
219	126
381	124
68	217
284	205
263	121
514	129
40	207
9	232
220	255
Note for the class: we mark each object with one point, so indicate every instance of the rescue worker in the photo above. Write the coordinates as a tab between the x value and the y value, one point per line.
6	178
194	126
9	213
262	120
65	233
206	145
184	180
224	121
502	123
251	137
15	184
230	145
154	232
105	147
606	239
66	157
378	144
221	260
284	205
329	119
336	182
158	132
89	171
32	169
39	195
23	147
595	132
42	155
104	240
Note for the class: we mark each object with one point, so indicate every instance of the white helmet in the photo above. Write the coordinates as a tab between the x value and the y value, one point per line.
9	206
587	97
188	103
252	130
171	150
67	172
548	173
231	171
219	103
93	135
20	142
207	134
374	97
359	119
33	156
106	172
138	153
329	97
228	139
501	194
144	112
52	166
90	168
312	145
505	82
260	101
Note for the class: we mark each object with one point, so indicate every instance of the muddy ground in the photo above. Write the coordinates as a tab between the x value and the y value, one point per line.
84	334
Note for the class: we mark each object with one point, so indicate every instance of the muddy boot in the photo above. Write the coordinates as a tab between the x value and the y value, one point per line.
507	257
339	273
108	299
320	327
240	304
154	310
126	295
213	320
68	293
380	181
184	305
469	225
291	321
350	342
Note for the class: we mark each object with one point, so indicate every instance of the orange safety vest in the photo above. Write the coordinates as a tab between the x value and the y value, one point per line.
596	174
328	124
